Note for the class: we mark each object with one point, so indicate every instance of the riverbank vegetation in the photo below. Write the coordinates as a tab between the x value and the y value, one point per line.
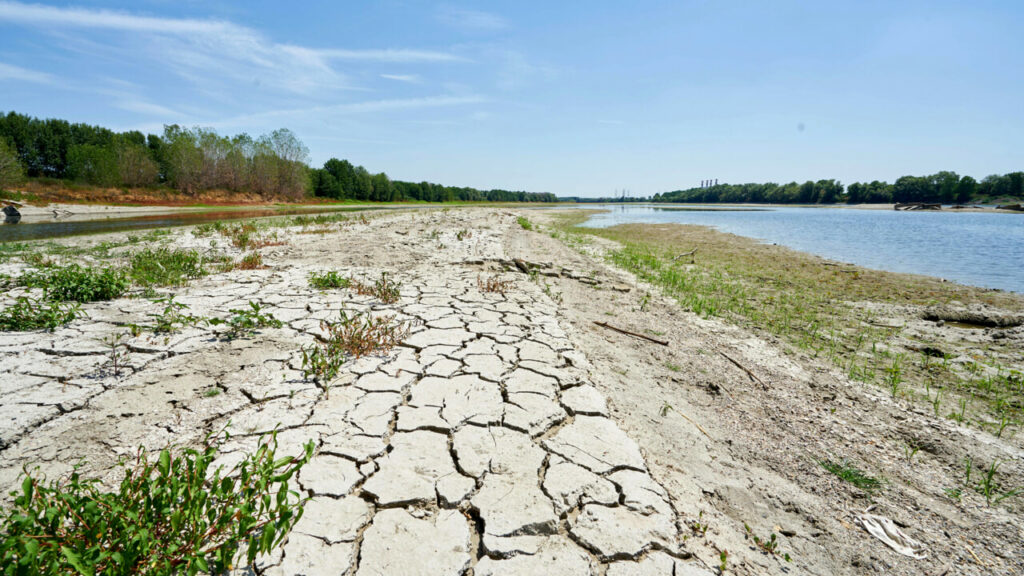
839	313
198	162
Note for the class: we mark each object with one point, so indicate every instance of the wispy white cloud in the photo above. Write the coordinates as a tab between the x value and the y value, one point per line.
516	71
409	78
390	55
355	108
85	18
208	52
12	72
471	20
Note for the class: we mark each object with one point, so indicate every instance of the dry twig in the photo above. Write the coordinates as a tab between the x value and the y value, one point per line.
634	334
753	377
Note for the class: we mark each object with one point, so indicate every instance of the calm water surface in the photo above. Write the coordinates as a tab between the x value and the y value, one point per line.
969	248
23	231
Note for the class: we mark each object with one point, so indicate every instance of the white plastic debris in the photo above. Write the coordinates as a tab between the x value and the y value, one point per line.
886	530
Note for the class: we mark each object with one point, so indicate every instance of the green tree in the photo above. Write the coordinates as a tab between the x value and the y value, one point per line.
93	164
182	159
135	165
11	171
966	189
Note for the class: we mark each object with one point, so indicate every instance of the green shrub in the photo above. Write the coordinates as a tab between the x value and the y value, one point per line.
169	516
524	223
32	314
329	279
77	283
165	267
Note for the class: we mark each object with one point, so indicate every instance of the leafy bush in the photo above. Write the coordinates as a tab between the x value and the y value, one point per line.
165	267
77	283
524	223
169	516
32	314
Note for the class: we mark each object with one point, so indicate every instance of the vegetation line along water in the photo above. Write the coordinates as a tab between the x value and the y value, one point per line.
856	319
971	248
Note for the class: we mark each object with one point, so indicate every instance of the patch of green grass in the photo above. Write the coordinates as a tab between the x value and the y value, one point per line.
165	267
328	279
849	473
76	283
524	223
34	314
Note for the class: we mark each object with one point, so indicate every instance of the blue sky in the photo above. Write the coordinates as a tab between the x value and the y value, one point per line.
576	98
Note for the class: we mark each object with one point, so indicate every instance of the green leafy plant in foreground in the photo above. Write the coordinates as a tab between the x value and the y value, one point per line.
170	515
524	223
33	314
76	283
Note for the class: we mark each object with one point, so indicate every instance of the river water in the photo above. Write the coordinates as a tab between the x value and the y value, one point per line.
56	228
973	248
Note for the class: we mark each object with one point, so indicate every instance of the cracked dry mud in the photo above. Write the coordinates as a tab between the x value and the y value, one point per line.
476	447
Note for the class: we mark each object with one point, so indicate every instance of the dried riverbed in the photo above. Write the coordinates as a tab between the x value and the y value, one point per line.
509	434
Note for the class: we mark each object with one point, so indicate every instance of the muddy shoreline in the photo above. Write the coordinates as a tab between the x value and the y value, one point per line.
581	447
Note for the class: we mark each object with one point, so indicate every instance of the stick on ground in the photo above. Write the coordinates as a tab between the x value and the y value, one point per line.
753	377
690	253
634	334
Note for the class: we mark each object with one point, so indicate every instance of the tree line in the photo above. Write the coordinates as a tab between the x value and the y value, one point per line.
943	187
340	180
193	160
